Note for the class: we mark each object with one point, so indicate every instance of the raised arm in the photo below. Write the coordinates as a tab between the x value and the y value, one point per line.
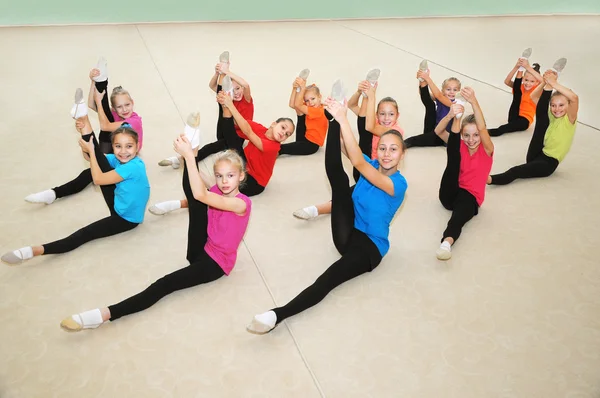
509	78
200	191
292	101
550	78
299	104
440	129
225	69
98	176
91	102
358	110
353	151
105	124
242	123
434	89
469	94
525	64
371	117
214	80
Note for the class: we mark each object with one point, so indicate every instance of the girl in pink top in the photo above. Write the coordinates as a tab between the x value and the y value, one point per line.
218	221
462	188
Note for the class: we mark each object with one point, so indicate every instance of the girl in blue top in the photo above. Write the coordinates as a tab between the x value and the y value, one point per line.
124	184
359	219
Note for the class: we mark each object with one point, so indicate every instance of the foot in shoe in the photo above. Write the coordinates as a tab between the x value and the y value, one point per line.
48	197
85	320
304	73
262	323
338	91
372	77
227	85
163	208
444	252
559	65
307	213
102	66
423	67
192	129
18	256
172	161
80	108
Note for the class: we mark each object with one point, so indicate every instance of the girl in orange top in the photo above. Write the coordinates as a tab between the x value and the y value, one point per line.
522	109
312	123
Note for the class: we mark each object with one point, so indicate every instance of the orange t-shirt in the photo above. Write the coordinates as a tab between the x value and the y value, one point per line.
316	125
527	107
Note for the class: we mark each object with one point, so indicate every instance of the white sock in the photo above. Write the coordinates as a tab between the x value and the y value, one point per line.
79	110
89	319
24	253
306	213
165	207
193	135
48	196
102	66
446	245
263	323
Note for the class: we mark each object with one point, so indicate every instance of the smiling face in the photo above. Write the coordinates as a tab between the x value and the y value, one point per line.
471	137
559	105
312	98
125	147
387	114
282	130
390	151
228	177
123	105
450	88
529	82
238	91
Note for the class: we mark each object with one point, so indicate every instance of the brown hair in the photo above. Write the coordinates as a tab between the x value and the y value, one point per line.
124	129
388	100
396	134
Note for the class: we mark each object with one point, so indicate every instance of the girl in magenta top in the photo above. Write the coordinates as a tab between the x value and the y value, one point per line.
470	154
218	222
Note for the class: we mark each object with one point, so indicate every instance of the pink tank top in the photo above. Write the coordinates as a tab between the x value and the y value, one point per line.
474	171
225	232
375	143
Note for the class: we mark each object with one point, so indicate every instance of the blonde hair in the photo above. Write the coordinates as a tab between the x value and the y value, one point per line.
118	91
314	88
232	157
451	79
468	120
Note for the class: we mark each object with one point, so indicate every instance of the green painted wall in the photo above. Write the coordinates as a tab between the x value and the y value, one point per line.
49	12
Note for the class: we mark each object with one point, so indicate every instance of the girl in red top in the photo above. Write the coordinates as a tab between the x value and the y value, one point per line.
312	122
260	154
522	108
242	99
462	188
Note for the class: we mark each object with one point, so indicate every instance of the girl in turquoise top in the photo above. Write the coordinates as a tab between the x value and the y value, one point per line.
359	219
553	134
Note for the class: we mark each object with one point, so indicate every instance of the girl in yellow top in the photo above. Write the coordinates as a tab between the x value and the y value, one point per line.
553	134
522	108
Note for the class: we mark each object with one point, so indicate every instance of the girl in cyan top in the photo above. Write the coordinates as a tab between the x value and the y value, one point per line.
470	154
522	109
311	127
122	178
359	220
217	223
110	118
437	104
553	133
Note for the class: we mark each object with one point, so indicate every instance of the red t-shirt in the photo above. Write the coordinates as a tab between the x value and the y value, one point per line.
474	171
246	109
261	163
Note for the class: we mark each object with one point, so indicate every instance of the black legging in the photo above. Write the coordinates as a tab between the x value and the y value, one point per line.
202	268
429	137
104	144
359	253
111	225
538	163
221	143
365	142
302	146
462	203
516	122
